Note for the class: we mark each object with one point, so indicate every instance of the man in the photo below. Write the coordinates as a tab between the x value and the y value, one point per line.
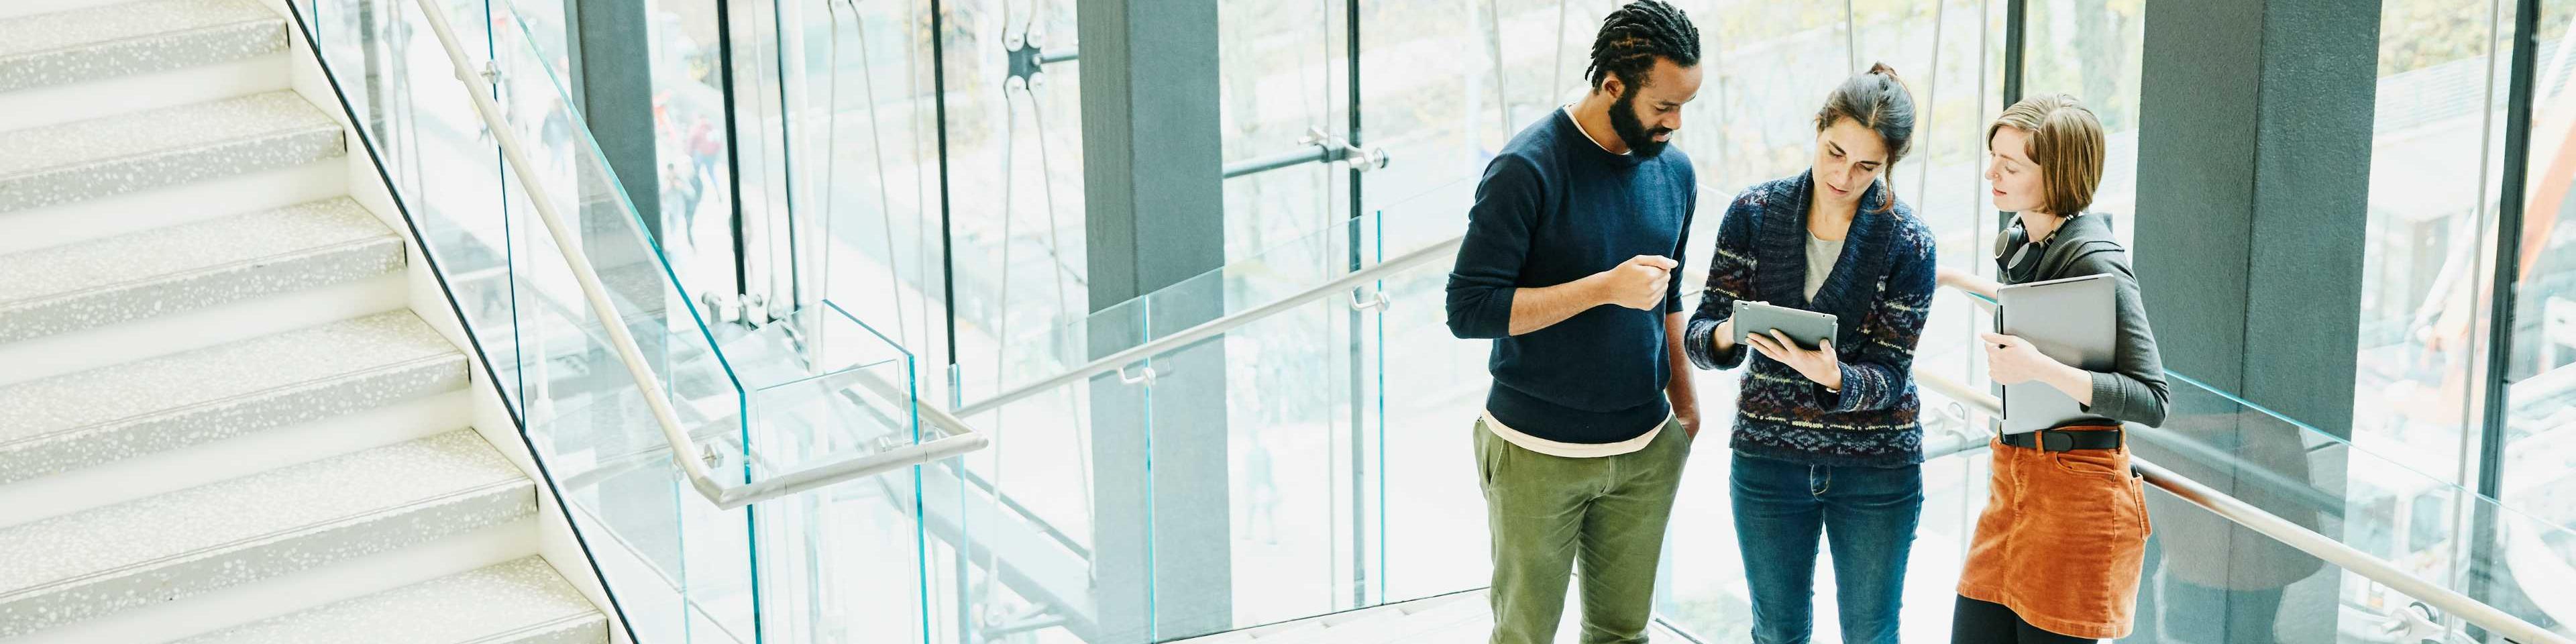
1571	245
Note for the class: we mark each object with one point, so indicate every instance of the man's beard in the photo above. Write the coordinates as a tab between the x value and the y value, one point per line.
1632	131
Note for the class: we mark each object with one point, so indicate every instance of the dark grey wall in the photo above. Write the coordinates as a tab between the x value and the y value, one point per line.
2253	176
2253	181
1150	153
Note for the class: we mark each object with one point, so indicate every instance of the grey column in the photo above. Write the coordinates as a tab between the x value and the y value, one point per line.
1154	218
612	87
2253	178
613	83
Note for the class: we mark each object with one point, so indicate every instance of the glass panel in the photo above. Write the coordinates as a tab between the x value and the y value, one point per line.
417	117
865	173
689	134
677	563
2092	49
2540	401
583	407
1019	550
823	387
1441	90
1295	510
1014	158
1936	49
1767	69
2432	176
815	387
1427	390
2377	502
1283	269
1282	514
1283	72
848	562
1949	55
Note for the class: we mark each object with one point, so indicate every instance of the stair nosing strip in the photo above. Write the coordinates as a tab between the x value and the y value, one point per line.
250	262
291	532
333	128
550	624
280	23
334	378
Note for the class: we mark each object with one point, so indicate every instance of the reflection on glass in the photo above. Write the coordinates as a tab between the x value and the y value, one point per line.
1015	547
1014	158
2540	397
2422	292
1282	70
689	138
2422	523
815	387
2092	49
862	167
1347	427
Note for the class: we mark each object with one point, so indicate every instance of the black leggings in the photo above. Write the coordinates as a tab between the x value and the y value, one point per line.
1977	622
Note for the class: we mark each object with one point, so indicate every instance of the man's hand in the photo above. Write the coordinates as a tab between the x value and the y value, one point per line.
1820	364
1638	283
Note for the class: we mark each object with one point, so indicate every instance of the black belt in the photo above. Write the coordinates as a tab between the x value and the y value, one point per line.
2057	440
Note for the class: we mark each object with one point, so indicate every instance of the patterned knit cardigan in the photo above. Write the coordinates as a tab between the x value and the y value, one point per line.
1880	291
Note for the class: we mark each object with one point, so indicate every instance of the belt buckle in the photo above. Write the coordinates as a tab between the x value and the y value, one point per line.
2051	440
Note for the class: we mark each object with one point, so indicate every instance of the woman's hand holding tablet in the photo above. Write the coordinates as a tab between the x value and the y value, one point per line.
1798	338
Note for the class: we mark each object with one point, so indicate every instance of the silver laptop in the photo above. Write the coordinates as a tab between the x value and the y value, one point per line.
2073	320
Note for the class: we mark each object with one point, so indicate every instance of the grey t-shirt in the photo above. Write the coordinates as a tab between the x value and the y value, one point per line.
1821	255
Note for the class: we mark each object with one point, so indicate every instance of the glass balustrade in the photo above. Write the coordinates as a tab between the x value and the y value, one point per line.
1309	461
813	388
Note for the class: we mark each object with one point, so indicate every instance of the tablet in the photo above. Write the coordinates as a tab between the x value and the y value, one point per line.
1808	328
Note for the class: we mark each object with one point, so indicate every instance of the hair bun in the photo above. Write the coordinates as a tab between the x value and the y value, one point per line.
1883	70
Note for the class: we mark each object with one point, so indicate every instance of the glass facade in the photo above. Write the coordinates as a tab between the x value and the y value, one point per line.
921	165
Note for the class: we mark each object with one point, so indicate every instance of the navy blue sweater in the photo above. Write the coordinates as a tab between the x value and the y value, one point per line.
1554	208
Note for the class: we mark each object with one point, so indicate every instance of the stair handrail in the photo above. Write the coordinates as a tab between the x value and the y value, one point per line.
1337	287
693	464
2219	503
2293	535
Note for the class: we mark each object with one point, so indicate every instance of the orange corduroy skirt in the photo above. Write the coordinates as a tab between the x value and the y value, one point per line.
2061	539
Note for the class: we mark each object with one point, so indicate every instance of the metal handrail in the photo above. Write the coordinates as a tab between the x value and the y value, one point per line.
2497	621
2256	519
685	453
1213	328
2295	536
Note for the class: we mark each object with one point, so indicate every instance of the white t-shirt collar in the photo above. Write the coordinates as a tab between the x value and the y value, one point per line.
1587	135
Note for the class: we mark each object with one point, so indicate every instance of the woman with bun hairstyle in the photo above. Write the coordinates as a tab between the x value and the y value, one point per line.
1826	440
2058	547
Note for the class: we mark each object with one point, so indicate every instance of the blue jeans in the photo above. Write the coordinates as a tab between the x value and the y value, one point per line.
1866	514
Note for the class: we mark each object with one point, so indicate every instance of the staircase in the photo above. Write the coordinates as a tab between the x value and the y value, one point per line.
220	420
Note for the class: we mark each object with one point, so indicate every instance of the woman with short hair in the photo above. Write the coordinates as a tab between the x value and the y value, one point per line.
2058	547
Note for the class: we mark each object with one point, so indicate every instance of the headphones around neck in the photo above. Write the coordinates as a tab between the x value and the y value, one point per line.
2016	256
